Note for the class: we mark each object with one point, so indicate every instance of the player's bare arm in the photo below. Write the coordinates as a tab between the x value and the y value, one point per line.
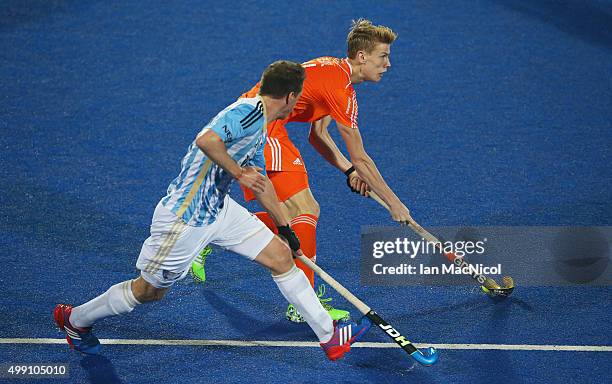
268	200
322	141
212	145
367	170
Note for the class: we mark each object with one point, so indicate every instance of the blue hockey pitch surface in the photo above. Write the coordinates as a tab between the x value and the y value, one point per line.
493	113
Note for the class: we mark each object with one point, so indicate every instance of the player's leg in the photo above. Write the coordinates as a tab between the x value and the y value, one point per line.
76	322
248	237
296	288
293	190
303	209
164	259
304	212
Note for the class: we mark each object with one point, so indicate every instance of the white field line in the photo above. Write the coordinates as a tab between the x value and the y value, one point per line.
308	344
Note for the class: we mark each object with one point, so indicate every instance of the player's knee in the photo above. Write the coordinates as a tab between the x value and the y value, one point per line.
154	294
282	260
314	208
145	292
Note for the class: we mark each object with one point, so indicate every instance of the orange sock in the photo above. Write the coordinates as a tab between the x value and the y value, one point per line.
305	227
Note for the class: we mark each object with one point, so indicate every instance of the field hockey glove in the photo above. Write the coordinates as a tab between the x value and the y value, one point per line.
287	233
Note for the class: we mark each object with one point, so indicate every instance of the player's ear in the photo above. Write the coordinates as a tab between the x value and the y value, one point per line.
291	95
361	56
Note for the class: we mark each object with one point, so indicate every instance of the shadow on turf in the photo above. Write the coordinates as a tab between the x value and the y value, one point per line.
472	306
499	318
100	370
243	321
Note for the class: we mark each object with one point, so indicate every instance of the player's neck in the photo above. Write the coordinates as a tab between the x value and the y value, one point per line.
356	77
272	107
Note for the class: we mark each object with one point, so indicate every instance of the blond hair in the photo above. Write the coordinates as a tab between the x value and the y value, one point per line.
363	36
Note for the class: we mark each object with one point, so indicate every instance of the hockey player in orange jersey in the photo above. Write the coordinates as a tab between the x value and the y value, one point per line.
328	94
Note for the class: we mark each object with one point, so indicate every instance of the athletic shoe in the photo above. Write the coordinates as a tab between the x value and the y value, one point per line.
293	315
345	334
335	313
197	266
80	339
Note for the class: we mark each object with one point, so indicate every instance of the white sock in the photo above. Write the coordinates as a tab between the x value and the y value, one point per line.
118	300
294	285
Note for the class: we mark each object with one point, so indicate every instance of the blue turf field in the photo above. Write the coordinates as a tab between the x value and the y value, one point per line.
493	113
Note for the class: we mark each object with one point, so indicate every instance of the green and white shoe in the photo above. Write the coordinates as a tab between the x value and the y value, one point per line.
336	314
197	271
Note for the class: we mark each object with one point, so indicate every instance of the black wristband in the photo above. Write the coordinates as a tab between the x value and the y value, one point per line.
348	178
349	171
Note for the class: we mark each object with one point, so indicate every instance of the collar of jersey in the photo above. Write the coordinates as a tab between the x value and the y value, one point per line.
265	113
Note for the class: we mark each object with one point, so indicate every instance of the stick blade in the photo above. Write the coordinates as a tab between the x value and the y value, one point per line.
426	357
494	290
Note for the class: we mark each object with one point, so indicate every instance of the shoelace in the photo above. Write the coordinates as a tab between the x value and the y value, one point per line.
324	302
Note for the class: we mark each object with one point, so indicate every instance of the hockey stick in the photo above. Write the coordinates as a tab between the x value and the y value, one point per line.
487	284
428	357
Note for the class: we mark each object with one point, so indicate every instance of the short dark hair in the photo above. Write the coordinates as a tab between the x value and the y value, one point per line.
281	78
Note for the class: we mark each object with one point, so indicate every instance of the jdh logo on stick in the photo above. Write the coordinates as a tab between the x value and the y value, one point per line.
401	340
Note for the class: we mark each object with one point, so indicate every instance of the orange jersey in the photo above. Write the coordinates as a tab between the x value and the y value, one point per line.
327	91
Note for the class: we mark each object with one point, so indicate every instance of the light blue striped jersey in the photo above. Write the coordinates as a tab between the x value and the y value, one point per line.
196	195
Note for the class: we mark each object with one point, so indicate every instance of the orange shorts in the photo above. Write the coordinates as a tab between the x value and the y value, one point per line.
286	185
284	165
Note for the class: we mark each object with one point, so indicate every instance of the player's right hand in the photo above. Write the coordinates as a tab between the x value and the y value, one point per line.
357	184
252	179
400	213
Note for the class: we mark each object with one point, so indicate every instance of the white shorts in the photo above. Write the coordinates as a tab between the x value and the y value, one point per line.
166	255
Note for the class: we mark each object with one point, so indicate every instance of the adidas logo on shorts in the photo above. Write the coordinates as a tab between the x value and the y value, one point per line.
297	161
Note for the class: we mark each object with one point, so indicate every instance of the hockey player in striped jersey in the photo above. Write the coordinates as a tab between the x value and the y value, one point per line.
197	211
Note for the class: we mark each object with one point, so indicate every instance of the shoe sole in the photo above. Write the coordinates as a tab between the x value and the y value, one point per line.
294	320
344	318
337	352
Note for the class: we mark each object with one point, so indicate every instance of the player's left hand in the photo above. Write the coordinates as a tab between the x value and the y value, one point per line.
288	235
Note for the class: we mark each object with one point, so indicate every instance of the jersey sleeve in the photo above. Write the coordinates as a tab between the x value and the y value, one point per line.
227	125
